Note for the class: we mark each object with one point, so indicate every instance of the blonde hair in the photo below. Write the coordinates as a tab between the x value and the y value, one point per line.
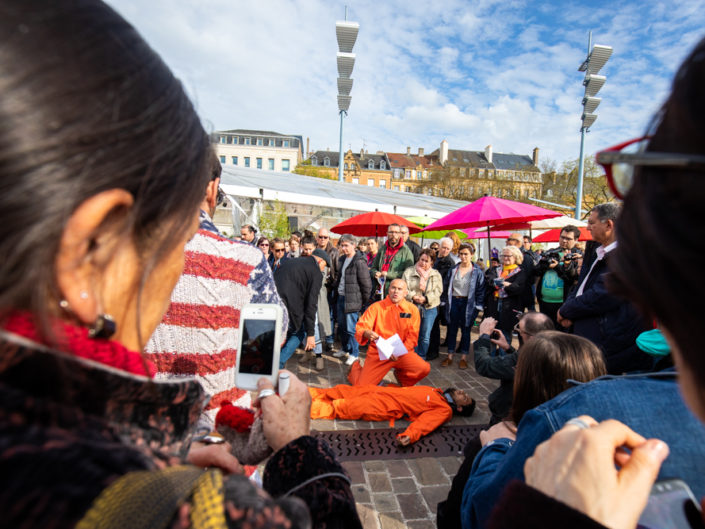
516	252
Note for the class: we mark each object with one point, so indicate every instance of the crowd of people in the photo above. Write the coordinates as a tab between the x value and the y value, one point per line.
120	302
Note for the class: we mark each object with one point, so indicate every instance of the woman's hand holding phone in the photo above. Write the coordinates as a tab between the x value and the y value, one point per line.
285	418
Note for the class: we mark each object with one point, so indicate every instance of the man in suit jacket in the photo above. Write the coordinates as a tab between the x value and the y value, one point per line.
610	322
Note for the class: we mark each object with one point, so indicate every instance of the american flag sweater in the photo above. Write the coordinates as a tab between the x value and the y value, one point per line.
199	334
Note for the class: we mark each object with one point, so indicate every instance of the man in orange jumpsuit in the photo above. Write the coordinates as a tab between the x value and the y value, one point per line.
427	408
393	315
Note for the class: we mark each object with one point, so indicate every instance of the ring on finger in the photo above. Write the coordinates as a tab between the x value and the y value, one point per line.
577	421
266	393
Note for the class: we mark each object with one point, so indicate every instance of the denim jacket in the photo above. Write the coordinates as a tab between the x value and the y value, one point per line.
650	404
476	296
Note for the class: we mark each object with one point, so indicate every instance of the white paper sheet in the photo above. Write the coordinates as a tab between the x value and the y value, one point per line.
391	346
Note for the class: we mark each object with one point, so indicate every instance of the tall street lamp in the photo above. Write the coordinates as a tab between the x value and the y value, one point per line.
346	33
596	59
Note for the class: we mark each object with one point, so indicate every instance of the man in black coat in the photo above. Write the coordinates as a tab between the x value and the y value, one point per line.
415	248
353	286
611	323
298	283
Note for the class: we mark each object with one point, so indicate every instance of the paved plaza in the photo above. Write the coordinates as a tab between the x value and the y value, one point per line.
400	492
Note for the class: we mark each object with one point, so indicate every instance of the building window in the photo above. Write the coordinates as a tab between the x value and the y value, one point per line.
549	192
285	165
418	175
355	180
407	174
234	140
407	189
346	166
382	165
222	159
533	193
260	141
371	164
285	143
223	139
314	160
247	161
326	161
259	163
371	182
517	193
396	188
271	164
425	175
234	160
383	184
270	143
397	173
248	141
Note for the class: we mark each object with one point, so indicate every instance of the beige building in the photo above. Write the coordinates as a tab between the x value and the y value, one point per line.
409	170
258	149
358	168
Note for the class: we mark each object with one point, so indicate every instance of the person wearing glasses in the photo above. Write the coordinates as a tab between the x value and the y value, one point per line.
278	254
392	260
464	295
505	299
612	323
263	245
557	272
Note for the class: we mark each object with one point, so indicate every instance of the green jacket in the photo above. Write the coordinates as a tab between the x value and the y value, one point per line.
402	260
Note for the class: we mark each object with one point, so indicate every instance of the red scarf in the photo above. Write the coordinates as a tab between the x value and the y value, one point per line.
389	254
74	339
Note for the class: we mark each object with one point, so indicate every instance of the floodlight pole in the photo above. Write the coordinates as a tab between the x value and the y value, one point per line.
581	159
340	156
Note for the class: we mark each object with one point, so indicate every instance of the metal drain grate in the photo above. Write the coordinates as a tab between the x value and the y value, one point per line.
365	445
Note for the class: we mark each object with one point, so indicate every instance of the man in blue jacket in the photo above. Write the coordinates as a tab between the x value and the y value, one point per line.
609	322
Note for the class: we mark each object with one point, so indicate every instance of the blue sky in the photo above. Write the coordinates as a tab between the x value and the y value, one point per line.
474	73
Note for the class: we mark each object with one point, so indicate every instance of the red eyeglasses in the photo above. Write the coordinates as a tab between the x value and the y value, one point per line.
619	162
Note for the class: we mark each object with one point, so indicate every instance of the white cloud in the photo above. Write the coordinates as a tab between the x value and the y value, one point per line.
480	72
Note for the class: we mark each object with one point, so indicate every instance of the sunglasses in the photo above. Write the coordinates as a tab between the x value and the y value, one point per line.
619	162
323	236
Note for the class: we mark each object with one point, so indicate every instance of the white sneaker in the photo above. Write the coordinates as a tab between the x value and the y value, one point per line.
339	354
351	360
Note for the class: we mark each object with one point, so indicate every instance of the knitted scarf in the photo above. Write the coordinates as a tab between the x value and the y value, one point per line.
73	339
423	276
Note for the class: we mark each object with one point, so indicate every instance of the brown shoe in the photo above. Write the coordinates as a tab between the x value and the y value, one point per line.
447	362
463	364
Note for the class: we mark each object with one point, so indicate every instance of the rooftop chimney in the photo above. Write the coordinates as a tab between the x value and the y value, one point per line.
362	153
420	151
443	153
488	153
536	156
308	150
408	151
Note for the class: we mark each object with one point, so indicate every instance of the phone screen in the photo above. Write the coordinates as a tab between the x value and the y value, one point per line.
257	354
670	506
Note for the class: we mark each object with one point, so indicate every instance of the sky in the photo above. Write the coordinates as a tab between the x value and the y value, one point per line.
472	72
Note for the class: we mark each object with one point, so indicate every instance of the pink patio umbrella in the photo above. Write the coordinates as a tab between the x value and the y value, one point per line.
490	212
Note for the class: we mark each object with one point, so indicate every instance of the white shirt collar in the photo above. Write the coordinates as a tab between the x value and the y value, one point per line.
604	250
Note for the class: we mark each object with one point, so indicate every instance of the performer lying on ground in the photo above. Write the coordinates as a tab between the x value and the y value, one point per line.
427	408
393	315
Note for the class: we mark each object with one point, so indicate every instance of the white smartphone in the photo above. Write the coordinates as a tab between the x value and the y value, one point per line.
671	506
260	339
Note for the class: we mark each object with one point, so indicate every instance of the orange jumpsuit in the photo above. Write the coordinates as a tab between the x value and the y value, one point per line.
426	407
385	318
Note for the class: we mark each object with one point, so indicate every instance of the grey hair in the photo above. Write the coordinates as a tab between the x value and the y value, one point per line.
607	211
347	238
447	240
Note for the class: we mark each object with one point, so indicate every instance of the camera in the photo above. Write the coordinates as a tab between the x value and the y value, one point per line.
495	335
551	255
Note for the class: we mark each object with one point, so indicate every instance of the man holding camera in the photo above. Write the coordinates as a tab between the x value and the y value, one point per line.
558	271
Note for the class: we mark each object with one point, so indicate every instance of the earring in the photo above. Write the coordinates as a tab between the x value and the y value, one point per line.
103	327
64	304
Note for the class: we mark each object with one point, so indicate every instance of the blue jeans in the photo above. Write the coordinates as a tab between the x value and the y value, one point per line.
457	319
349	320
650	404
292	342
428	316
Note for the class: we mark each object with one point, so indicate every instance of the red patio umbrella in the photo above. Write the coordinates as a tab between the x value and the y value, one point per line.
554	235
372	224
491	211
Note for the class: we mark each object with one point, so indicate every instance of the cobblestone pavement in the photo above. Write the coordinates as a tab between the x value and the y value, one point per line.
402	492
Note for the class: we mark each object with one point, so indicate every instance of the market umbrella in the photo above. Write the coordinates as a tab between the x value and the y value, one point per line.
554	235
491	211
372	224
544	224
